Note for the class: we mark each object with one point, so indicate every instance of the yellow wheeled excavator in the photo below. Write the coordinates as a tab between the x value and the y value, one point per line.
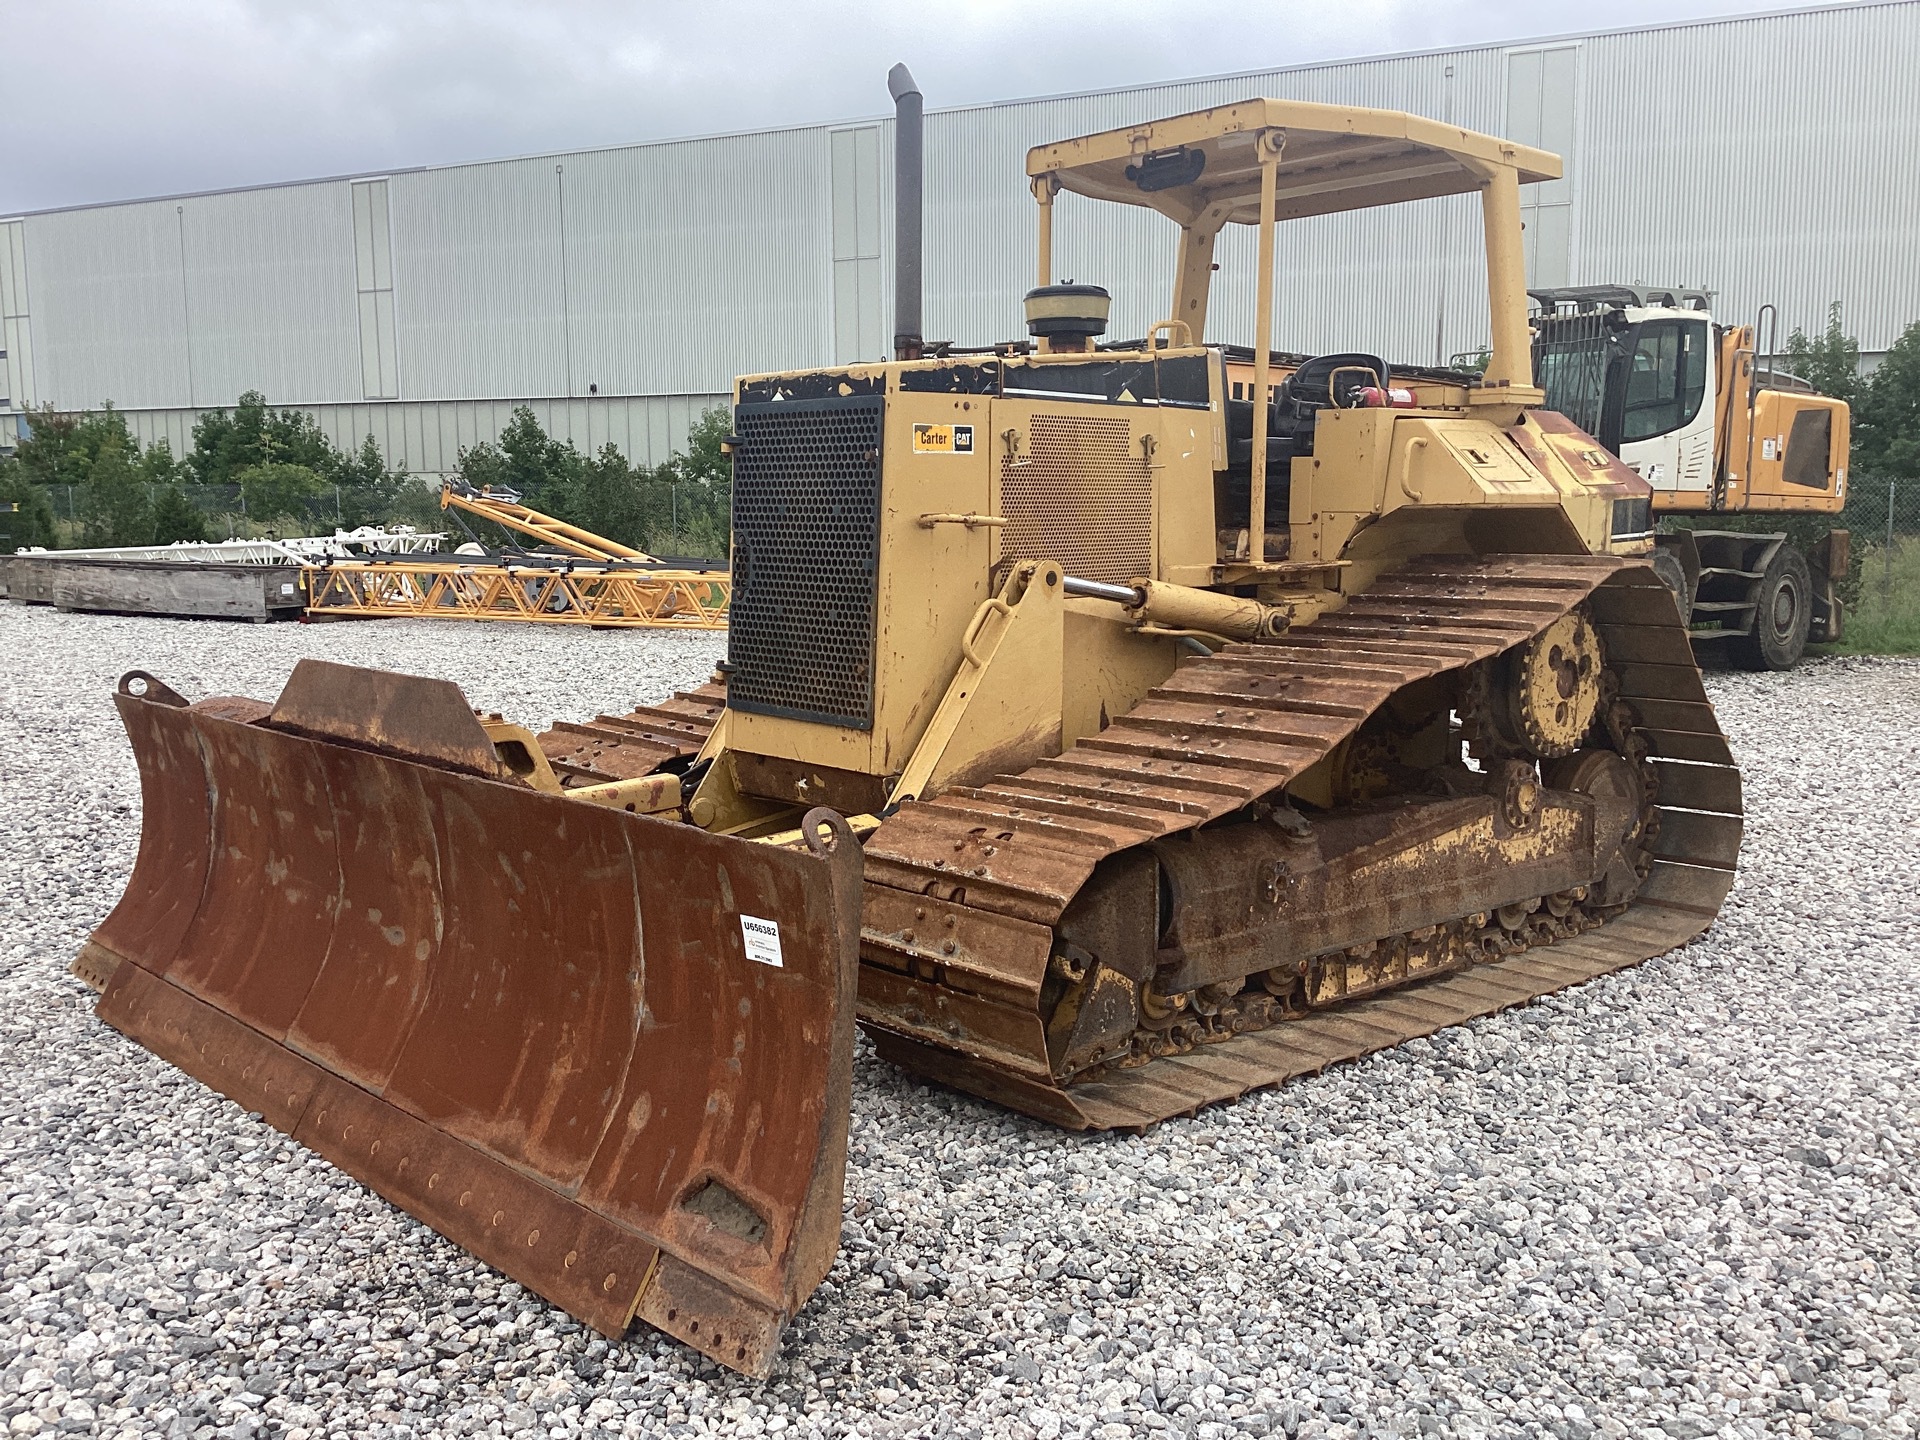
1687	403
1106	745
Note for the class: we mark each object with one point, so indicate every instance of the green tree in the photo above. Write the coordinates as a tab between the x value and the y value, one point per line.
30	521
62	448
115	484
227	443
157	465
1830	361
682	506
370	493
611	498
416	502
1886	421
703	462
545	473
526	460
700	500
114	506
279	491
176	518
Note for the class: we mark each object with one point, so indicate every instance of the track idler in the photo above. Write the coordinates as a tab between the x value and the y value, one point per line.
609	1055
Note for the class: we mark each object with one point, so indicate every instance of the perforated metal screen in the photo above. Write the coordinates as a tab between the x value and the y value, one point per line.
806	539
1082	495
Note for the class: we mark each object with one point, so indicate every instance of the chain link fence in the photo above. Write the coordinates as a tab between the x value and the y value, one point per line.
1880	509
691	516
1879	513
209	500
1883	518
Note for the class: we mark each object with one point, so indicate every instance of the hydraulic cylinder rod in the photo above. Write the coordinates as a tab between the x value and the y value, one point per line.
1184	607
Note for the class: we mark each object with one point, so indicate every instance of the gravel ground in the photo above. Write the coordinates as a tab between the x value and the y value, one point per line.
1679	1201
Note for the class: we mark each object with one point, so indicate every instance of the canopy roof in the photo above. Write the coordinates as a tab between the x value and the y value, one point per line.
1336	157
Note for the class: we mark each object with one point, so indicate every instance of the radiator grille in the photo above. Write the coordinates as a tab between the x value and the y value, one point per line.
1080	494
806	536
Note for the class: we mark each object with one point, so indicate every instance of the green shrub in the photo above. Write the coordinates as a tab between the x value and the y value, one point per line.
115	507
279	492
1884	617
30	522
176	518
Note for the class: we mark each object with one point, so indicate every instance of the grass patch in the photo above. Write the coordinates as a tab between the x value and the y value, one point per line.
1885	618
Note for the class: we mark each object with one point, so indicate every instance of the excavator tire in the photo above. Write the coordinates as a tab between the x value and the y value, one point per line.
1782	615
609	1055
1006	924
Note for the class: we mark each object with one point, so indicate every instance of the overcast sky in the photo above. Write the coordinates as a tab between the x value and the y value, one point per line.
113	99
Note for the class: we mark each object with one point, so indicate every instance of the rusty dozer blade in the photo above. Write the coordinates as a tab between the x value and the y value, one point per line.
609	1055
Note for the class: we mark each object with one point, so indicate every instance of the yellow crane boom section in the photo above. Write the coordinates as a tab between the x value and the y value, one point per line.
504	508
448	587
602	592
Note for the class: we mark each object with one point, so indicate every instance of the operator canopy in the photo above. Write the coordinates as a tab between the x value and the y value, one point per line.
1334	157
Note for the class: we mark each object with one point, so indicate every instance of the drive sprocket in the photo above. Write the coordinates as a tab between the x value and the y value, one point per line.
1553	686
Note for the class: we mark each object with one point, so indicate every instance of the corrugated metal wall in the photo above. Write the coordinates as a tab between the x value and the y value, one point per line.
269	279
190	302
1770	160
109	294
1765	158
683	262
17	385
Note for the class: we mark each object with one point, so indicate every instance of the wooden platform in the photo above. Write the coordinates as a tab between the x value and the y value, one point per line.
155	587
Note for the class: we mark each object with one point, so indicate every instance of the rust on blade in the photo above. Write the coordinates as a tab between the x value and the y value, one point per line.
600	1051
163	894
404	715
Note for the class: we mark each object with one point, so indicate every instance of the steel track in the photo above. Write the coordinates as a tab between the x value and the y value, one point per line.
623	747
963	891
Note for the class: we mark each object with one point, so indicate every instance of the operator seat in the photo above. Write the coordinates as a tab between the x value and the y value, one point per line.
1326	382
1322	383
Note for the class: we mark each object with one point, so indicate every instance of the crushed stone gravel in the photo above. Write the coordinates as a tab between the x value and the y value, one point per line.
1679	1201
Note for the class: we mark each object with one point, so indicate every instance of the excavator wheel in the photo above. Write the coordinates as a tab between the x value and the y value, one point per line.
1782	614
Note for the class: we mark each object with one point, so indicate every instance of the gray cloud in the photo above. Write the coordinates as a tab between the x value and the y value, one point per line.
111	99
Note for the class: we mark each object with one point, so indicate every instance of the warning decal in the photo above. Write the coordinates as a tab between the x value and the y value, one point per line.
943	439
763	939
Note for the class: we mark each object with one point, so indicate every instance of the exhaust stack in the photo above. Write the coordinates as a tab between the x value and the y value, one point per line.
908	341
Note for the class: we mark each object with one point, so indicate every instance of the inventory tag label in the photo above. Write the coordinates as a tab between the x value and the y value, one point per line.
763	940
942	439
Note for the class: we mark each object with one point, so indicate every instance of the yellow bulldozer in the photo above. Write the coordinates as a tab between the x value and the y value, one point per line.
1106	746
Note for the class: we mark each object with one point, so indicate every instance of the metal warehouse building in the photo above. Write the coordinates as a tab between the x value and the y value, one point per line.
618	291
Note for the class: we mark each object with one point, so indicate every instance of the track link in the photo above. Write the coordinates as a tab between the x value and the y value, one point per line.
964	890
622	747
